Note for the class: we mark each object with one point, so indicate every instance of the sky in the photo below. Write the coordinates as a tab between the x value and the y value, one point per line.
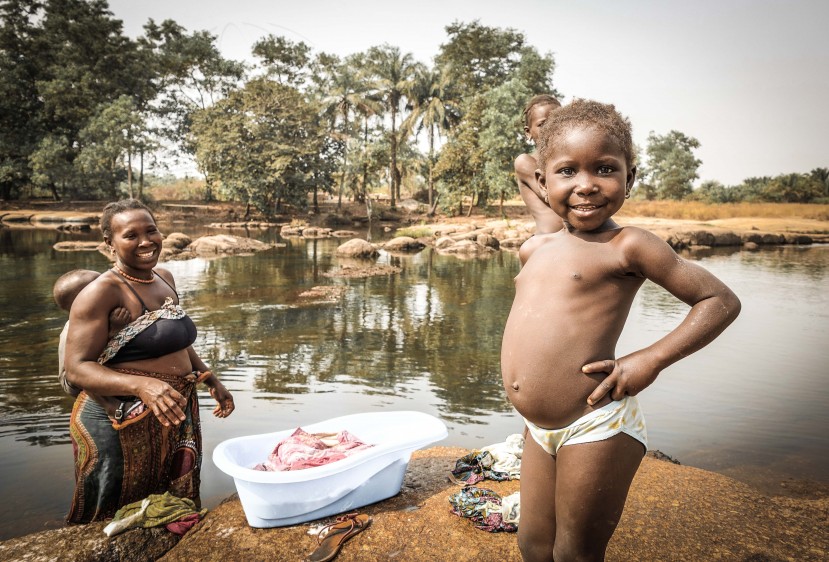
749	79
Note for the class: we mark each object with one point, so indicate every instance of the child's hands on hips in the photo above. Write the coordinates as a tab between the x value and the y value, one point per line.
627	376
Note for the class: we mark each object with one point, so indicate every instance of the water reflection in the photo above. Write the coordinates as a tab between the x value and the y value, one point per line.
427	338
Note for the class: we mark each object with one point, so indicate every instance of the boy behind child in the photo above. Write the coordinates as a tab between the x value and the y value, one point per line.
535	115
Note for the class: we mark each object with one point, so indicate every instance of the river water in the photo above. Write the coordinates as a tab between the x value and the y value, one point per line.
752	405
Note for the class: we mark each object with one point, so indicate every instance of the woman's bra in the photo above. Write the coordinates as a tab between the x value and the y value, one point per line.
162	337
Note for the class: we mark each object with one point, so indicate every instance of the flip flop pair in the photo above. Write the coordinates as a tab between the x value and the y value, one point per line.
333	536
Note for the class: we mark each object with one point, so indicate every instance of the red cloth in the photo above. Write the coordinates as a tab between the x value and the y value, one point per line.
184	524
306	450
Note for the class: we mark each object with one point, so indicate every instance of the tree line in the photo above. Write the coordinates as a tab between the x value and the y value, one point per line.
85	110
670	169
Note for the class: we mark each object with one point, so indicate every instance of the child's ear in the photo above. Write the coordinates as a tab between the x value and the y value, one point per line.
631	179
541	181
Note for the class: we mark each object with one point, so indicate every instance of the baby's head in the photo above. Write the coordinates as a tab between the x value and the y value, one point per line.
70	284
585	114
535	113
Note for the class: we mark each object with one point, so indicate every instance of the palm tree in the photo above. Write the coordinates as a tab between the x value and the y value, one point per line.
343	94
393	75
432	110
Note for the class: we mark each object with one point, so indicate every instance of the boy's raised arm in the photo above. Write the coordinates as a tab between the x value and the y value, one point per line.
713	307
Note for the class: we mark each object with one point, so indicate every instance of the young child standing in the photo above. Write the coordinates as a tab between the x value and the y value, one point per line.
558	356
535	114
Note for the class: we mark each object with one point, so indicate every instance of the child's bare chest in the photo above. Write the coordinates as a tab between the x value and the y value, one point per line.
576	265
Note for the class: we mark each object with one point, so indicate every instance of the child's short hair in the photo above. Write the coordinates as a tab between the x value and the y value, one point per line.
540	99
71	283
585	113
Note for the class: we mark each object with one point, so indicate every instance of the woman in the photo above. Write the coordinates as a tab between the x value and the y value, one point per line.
153	444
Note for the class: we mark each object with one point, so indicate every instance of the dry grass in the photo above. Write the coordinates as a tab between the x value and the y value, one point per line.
185	189
415	231
690	210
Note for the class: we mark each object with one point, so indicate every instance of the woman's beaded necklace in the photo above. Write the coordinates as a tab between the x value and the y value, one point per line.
131	278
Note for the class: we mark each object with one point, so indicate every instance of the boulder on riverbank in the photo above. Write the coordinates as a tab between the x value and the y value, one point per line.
504	234
474	238
179	246
361	268
357	248
673	512
214	246
77	246
403	244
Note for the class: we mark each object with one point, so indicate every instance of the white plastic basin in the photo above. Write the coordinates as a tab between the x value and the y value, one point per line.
276	499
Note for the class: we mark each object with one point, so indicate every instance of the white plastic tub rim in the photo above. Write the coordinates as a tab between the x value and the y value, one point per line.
388	432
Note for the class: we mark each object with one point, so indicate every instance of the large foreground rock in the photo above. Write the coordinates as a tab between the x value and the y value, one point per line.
88	543
673	513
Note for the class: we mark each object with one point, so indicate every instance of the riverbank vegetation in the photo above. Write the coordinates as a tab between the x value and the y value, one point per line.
87	112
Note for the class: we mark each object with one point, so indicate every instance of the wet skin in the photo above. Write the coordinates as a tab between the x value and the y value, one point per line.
575	290
558	354
136	244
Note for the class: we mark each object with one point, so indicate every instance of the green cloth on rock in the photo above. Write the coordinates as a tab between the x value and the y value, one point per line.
153	511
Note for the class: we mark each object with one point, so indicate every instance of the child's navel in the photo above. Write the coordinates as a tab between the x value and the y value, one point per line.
515	385
576	275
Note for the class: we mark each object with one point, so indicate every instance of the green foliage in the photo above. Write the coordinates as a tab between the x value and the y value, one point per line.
393	77
535	72
193	76
348	95
793	188
478	57
459	169
500	137
264	144
713	191
496	66
51	165
784	188
60	61
671	166
81	105
285	60
115	130
433	110
20	106
821	176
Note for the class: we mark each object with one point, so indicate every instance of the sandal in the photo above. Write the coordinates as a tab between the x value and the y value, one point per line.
332	536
